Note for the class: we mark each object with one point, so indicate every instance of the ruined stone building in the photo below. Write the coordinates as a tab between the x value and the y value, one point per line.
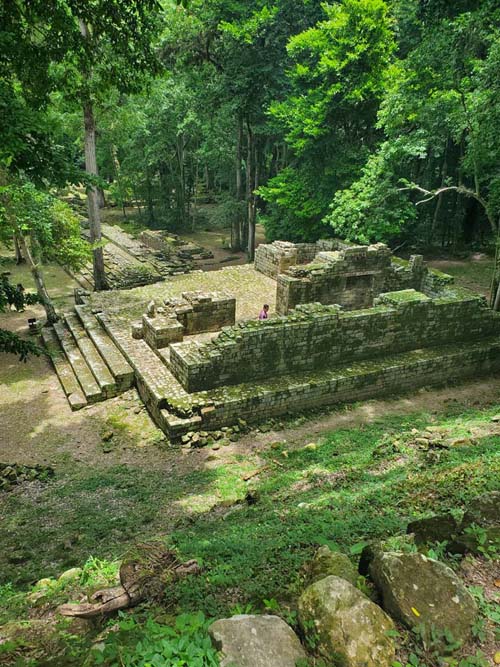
350	322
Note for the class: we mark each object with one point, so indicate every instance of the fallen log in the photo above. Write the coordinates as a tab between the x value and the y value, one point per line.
141	577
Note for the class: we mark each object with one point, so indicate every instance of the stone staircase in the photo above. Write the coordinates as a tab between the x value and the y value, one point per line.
89	365
96	358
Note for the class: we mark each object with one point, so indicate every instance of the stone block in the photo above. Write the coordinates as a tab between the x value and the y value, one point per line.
160	331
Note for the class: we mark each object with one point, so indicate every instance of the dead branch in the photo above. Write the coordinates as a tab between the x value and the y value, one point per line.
138	578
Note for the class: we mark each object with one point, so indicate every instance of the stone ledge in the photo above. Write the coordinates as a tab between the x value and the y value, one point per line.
357	381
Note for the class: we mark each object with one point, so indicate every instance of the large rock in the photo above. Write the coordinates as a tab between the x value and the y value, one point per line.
330	563
419	591
256	641
483	511
439	528
480	527
349	628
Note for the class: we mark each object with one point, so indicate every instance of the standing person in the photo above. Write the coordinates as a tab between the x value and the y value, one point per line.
264	313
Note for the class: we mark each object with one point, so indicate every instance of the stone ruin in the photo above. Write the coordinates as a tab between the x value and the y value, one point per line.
329	272
194	313
352	322
152	257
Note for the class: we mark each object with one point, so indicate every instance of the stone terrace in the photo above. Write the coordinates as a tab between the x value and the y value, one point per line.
409	327
250	288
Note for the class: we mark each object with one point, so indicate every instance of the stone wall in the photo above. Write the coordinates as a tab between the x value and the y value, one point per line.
158	240
351	277
360	380
159	331
199	312
194	313
275	258
317	337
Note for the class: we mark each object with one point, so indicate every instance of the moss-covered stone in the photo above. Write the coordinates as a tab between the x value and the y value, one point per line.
422	592
327	563
348	628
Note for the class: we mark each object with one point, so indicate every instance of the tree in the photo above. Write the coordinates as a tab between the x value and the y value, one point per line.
338	79
233	55
45	229
10	342
441	123
85	50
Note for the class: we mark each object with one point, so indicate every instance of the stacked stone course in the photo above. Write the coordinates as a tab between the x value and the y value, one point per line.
204	311
194	313
350	277
276	258
316	336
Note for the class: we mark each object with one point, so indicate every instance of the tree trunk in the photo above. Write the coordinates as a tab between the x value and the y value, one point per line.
252	185
118	178
236	223
496	302
100	281
41	290
439	203
101	200
149	199
495	276
19	255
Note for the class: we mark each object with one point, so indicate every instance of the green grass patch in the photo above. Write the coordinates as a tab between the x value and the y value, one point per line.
355	485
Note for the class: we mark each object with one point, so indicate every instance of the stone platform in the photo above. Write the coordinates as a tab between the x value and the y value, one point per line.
412	328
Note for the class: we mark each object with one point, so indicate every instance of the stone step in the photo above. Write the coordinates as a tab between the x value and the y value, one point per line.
64	371
120	369
154	381
87	381
142	358
91	355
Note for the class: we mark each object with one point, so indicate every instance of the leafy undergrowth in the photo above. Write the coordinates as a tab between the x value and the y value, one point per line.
250	532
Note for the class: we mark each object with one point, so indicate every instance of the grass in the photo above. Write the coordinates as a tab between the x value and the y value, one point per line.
335	494
474	274
350	486
353	486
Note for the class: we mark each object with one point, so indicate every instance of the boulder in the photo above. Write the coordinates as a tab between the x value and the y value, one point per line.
480	527
348	628
420	591
439	528
367	555
483	511
70	575
327	563
256	641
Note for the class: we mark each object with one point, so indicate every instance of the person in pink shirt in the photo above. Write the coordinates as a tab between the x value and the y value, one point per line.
264	313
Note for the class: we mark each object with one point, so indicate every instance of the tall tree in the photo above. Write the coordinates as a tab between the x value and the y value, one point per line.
84	50
338	79
441	120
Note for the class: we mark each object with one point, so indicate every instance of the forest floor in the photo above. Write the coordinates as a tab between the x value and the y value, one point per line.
338	477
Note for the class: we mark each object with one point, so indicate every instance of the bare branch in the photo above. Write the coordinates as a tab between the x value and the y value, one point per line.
432	194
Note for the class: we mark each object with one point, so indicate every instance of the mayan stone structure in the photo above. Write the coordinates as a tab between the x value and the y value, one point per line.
276	258
351	322
351	276
317	337
193	313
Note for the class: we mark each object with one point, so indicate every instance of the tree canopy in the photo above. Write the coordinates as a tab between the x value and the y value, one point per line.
375	120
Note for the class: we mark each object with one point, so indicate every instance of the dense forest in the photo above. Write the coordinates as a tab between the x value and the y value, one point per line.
366	119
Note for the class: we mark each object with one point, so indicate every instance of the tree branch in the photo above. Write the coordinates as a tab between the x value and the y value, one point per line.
429	195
